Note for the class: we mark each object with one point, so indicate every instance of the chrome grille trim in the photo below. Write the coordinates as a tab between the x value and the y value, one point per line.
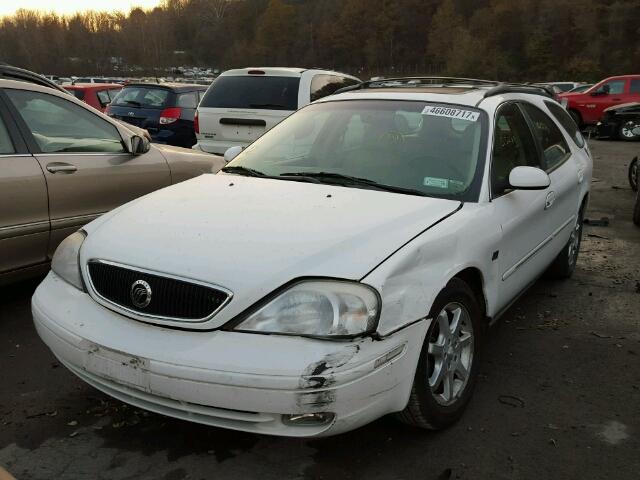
144	317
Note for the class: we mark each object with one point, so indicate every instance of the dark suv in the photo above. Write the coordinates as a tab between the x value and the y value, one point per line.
166	110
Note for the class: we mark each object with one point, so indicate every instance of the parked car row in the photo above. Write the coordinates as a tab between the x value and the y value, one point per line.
588	107
241	105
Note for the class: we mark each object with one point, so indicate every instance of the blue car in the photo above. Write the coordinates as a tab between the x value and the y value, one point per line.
165	110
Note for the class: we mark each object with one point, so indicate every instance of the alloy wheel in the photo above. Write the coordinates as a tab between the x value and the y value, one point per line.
630	129
450	351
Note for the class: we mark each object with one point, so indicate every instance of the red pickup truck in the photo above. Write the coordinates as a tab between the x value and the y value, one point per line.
587	107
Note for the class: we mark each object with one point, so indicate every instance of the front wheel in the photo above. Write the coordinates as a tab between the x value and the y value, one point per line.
636	210
448	366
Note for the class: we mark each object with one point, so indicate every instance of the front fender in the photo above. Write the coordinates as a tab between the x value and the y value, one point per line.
412	277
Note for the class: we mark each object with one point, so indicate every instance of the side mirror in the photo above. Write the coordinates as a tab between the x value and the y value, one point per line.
528	178
231	153
139	145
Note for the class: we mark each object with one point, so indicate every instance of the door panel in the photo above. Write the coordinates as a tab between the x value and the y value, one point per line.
86	166
24	216
100	183
559	162
522	252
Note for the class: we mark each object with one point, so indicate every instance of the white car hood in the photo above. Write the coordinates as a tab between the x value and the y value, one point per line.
253	235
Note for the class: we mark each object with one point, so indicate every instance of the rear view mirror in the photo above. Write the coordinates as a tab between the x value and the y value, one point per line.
528	178
232	153
139	145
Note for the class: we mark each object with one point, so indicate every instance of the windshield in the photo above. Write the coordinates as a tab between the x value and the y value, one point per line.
254	92
427	148
145	97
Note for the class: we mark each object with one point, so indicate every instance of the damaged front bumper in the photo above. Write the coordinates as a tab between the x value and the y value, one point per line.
267	384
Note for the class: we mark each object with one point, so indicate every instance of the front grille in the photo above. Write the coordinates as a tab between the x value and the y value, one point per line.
170	298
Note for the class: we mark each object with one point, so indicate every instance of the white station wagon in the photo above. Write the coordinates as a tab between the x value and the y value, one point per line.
342	267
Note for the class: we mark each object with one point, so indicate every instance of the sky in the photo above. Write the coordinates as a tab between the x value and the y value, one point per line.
65	7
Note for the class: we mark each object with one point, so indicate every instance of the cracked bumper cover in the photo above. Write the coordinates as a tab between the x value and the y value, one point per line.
232	380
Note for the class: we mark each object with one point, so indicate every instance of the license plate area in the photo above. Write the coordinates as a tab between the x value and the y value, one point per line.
118	367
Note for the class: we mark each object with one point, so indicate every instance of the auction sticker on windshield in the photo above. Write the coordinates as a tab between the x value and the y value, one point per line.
451	112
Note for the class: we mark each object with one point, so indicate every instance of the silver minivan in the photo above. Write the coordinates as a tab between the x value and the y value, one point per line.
242	104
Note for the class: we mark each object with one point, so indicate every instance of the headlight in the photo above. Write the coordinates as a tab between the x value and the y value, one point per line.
66	263
319	308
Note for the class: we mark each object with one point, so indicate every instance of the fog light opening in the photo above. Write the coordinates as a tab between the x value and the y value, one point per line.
308	419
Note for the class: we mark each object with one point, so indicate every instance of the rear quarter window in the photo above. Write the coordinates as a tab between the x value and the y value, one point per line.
187	100
253	92
564	119
79	94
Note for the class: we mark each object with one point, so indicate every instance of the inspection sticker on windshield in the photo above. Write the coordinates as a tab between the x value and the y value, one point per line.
436	182
450	112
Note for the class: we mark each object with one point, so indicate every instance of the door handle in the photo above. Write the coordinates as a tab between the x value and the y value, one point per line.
551	197
60	167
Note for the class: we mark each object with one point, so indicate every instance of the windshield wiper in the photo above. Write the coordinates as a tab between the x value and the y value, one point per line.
250	172
268	105
133	102
341	179
240	170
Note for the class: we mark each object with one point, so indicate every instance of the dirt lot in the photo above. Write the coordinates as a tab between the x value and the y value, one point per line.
558	397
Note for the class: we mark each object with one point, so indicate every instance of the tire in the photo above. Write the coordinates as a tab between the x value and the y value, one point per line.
428	406
565	263
633	174
626	131
636	210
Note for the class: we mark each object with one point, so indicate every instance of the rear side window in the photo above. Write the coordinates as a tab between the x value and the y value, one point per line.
79	94
555	149
254	92
145	97
113	93
563	117
324	85
187	100
103	97
635	85
513	146
6	145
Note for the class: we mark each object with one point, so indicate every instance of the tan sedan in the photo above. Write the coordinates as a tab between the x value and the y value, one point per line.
62	164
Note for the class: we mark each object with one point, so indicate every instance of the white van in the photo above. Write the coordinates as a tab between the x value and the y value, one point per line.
242	104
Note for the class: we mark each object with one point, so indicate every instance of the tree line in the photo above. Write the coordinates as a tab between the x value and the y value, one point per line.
516	40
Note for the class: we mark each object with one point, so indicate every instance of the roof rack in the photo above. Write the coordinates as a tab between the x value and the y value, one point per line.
418	81
496	87
520	88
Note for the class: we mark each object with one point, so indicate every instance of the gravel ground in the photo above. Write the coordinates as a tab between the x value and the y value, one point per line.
558	396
